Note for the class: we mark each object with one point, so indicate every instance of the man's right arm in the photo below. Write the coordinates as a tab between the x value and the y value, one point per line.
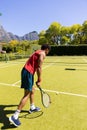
39	69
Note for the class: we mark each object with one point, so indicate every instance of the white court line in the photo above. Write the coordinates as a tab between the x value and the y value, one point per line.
49	65
67	93
5	84
52	91
16	83
84	60
5	66
42	68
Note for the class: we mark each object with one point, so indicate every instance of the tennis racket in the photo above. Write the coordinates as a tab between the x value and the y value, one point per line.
45	98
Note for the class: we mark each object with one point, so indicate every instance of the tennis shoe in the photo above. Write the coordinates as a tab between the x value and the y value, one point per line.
34	110
14	121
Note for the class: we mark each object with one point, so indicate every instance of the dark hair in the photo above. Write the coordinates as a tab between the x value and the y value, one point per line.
45	46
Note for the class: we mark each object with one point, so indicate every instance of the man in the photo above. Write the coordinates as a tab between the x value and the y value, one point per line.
34	64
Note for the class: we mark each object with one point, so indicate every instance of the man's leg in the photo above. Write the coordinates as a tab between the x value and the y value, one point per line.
14	119
32	96
24	100
32	105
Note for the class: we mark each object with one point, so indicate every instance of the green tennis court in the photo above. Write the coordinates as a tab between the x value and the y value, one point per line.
64	78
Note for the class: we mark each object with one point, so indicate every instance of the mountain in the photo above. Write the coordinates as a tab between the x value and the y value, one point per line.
4	36
8	36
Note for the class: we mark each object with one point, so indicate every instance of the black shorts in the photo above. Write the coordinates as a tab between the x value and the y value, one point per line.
27	80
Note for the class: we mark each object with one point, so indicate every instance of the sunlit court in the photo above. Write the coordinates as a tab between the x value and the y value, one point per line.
64	78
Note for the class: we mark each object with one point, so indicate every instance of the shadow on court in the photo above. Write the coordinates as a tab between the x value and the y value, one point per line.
75	69
24	114
3	116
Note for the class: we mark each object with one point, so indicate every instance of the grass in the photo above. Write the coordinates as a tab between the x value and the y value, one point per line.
68	110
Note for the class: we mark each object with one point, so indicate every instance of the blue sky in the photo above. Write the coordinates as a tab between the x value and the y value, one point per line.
24	16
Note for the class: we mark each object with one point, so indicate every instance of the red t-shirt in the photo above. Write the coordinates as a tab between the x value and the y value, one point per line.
32	63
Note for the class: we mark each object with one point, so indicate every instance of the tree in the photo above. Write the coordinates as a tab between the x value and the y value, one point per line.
76	34
53	33
64	35
84	32
42	38
13	44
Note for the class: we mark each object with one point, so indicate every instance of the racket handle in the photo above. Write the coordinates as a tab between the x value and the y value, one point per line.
37	85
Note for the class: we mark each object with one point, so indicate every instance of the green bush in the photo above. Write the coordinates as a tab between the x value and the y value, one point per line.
68	50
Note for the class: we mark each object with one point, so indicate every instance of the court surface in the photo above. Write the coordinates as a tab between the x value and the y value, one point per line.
64	78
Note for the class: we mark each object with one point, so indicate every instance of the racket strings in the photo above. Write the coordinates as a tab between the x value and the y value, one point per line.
46	100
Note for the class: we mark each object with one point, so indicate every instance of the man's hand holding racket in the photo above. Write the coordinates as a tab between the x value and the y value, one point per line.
38	83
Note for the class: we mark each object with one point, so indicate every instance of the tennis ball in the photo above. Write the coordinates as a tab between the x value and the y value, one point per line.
57	93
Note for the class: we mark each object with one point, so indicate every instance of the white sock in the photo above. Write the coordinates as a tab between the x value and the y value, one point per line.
16	114
32	106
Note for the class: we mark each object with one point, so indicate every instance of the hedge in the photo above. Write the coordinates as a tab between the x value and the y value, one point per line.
68	50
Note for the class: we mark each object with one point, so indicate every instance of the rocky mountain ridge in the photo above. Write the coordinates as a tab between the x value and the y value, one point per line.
8	36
